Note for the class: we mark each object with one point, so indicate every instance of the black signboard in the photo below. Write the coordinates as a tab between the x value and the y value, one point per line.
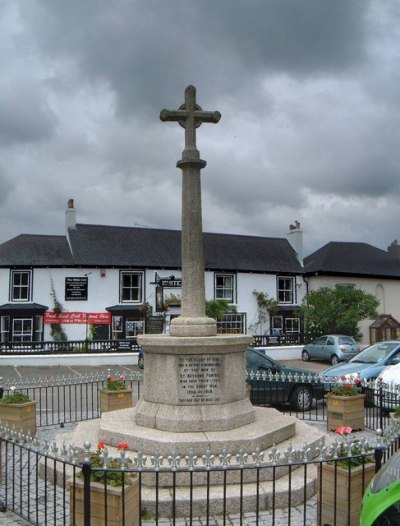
76	289
123	345
170	282
154	325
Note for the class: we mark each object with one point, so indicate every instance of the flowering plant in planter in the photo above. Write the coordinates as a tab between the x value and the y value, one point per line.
100	459
347	388
15	397
116	383
351	451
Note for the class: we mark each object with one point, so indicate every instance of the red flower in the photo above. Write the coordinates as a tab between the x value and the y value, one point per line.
348	386
343	378
357	381
122	446
343	430
101	445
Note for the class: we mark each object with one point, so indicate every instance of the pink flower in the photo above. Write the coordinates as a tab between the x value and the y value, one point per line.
343	430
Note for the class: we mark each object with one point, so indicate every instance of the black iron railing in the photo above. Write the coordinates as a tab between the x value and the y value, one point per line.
284	339
52	484
69	347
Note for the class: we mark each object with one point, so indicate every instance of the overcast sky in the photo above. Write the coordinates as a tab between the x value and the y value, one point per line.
308	91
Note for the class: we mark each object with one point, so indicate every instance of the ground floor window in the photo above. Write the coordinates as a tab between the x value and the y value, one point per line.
292	325
19	328
233	323
133	328
22	330
126	327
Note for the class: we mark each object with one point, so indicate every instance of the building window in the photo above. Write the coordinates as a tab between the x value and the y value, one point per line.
225	287
22	329
20	285
277	325
292	325
233	323
285	290
131	287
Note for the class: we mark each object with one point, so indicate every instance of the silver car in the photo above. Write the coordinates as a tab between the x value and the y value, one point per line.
333	348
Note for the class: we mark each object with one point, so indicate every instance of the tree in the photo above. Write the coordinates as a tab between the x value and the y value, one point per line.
218	308
337	310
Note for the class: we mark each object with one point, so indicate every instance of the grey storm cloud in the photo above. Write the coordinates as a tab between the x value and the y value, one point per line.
308	95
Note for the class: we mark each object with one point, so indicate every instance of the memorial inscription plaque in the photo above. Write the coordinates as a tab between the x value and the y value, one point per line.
199	379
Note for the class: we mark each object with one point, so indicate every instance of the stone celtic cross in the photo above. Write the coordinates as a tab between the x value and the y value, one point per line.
193	320
190	116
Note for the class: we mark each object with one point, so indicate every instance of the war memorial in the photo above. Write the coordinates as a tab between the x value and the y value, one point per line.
195	403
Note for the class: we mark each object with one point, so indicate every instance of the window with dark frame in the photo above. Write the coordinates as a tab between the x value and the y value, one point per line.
292	325
131	287
22	329
225	287
285	290
20	285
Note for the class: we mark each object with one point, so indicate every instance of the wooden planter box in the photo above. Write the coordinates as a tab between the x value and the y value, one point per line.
345	411
22	416
348	488
120	511
115	400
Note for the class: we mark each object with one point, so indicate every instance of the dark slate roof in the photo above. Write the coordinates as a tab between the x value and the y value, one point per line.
35	250
113	246
96	245
352	259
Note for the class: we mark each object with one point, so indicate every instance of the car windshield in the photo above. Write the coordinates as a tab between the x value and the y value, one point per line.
375	353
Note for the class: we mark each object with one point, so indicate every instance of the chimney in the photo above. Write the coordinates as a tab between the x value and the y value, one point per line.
295	238
394	250
70	215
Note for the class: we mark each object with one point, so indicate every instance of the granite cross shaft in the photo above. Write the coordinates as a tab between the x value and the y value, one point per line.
193	320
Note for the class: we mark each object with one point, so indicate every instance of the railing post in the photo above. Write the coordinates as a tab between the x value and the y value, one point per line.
1	387
378	450
86	472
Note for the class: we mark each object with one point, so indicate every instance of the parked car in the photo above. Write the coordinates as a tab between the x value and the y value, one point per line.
333	348
387	388
141	359
367	364
299	391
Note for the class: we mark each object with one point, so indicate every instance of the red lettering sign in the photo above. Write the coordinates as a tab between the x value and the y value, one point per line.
90	318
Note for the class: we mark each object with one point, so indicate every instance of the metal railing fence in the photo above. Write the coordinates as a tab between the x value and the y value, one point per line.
69	347
71	399
126	345
61	400
50	484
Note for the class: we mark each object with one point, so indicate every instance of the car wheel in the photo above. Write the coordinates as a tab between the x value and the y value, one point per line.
141	362
301	398
334	359
305	356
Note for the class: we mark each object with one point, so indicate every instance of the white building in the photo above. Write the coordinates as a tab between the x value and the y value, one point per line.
107	277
